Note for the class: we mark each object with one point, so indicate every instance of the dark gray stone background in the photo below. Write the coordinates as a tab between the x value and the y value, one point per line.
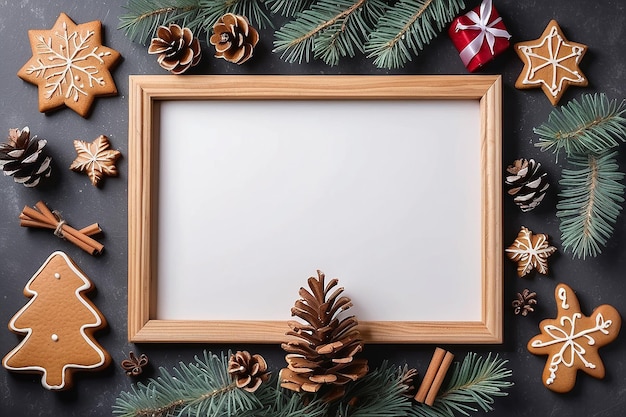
599	24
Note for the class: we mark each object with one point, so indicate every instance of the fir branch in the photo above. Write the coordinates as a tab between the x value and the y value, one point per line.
143	17
329	30
288	8
595	124
407	27
474	382
203	388
590	202
382	393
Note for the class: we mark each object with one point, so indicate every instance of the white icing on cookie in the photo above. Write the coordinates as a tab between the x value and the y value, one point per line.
97	323
556	44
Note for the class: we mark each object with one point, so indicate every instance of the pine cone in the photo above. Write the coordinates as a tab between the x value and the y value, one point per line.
22	157
526	183
322	360
234	39
177	48
248	370
524	302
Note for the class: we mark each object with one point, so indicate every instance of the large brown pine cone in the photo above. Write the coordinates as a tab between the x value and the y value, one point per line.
177	48
322	359
234	39
22	157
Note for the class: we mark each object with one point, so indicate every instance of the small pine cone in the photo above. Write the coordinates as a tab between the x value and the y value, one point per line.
526	183
22	157
524	302
234	39
249	371
177	48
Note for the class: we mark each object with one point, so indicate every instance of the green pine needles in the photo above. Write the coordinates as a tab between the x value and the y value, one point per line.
143	17
592	194
473	383
329	30
205	388
390	33
407	27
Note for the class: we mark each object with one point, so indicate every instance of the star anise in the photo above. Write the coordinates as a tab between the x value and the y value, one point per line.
524	302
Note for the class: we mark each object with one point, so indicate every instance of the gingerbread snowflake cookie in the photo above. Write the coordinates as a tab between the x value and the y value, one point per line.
551	63
70	65
530	251
58	325
95	159
571	340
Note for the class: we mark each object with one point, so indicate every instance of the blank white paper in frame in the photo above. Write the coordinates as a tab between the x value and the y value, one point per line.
255	196
241	187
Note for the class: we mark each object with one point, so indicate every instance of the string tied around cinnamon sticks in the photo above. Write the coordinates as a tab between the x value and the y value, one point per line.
44	218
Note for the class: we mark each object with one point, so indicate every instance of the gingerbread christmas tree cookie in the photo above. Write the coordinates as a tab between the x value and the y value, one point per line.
551	63
70	65
58	324
571	340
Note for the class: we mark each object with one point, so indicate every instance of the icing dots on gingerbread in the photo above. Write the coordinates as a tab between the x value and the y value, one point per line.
58	324
571	340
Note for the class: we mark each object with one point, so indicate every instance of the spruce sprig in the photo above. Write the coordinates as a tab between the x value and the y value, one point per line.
288	8
382	392
328	30
143	17
201	388
407	27
473	383
590	203
595	124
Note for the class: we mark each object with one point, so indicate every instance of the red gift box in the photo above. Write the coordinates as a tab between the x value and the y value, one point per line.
479	35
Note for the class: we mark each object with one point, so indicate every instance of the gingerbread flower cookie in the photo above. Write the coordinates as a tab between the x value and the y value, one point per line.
70	65
551	63
571	340
58	324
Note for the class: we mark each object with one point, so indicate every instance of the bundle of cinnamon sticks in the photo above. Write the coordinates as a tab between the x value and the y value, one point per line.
42	217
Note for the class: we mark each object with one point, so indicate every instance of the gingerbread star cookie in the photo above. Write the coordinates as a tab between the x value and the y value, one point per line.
95	159
551	63
530	251
571	340
70	65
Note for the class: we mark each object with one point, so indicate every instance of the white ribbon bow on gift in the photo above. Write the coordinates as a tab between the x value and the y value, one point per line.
481	23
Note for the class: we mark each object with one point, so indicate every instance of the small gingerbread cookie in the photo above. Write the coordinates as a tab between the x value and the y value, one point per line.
95	158
551	63
530	251
70	65
58	324
571	340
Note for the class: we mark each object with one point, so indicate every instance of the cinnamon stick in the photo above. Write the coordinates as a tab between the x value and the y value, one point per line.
430	374
441	374
42	217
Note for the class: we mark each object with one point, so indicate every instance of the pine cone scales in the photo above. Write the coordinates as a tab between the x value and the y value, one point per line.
526	183
178	50
22	157
234	39
249	371
322	359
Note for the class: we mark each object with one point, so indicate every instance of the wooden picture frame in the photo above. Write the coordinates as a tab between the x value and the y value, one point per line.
147	94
